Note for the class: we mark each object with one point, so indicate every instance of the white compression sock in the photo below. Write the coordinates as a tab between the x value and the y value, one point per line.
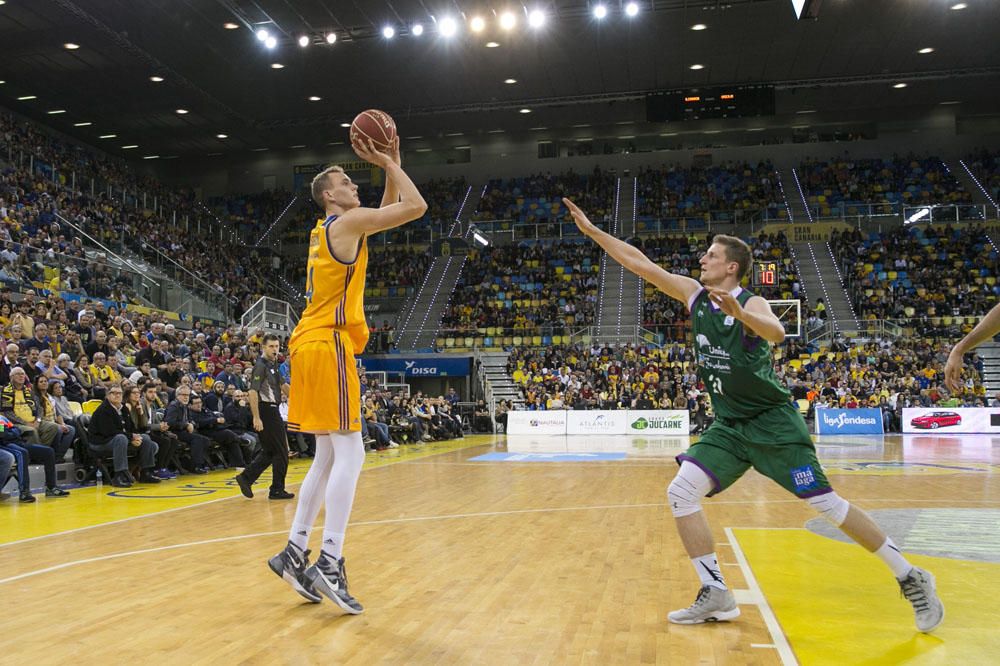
707	567
312	492
889	553
348	457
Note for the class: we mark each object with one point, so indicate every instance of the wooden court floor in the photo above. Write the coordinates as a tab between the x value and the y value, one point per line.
535	559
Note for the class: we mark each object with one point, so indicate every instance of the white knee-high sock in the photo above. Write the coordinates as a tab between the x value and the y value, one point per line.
349	456
311	493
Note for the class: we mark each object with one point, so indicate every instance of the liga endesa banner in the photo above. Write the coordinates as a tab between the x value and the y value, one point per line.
951	419
536	423
849	422
599	422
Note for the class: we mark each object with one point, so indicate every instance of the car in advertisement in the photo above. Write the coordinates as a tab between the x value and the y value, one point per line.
936	420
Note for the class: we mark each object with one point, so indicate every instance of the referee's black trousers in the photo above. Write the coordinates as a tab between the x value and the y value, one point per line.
273	449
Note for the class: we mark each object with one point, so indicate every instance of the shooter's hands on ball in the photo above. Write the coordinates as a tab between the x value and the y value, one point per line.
369	153
726	302
581	219
394	151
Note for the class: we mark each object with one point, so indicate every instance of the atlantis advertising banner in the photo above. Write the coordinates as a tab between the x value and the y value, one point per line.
849	422
596	422
536	423
948	420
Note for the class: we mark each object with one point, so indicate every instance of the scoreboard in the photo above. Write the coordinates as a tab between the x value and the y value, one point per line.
765	274
702	103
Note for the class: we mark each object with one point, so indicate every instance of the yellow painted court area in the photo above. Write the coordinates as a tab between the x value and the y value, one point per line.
837	605
87	507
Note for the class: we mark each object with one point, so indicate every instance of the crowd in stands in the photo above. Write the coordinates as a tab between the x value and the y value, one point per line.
537	199
845	185
985	166
532	288
933	280
719	191
881	373
392	418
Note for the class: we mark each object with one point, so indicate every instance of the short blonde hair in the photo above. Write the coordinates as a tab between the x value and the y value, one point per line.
321	182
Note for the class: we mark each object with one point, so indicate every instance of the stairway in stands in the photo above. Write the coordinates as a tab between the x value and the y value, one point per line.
821	279
990	353
498	384
418	323
619	309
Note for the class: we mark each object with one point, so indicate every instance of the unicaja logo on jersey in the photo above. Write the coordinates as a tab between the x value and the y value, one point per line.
702	340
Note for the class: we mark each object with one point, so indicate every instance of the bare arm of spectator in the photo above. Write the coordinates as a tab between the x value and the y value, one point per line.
984	330
678	287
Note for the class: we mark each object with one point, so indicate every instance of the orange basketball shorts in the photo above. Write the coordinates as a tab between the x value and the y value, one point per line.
326	392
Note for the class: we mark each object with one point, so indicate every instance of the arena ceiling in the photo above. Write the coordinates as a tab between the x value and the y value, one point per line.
573	70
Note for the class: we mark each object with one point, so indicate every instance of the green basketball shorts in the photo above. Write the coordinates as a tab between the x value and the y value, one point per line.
776	443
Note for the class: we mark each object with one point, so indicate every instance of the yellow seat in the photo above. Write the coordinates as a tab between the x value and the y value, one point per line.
91	406
75	407
803	406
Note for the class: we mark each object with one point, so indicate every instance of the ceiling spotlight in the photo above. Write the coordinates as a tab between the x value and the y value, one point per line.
315	98
25	98
696	67
536	18
88	124
959	5
221	136
900	85
151	157
71	46
492	45
331	38
477	24
600	11
182	111
447	27
508	20
926	50
417	29
230	26
270	42
698	26
130	147
156	79
510	81
631	9
345	124
277	65
525	111
56	112
388	32
304	41
262	35
107	136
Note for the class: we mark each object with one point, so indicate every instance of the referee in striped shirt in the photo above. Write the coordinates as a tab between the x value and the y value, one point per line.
265	396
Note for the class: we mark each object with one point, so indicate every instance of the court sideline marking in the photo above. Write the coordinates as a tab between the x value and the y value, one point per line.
757	598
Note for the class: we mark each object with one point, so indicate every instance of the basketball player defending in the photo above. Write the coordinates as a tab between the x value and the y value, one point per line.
755	426
984	330
325	397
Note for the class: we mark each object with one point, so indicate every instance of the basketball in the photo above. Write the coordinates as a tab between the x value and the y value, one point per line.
375	125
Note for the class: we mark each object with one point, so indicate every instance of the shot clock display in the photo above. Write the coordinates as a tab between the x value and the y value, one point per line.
765	274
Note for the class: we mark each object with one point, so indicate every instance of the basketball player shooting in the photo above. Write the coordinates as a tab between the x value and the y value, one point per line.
755	426
325	397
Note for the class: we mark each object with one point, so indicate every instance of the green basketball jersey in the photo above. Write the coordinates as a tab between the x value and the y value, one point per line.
735	367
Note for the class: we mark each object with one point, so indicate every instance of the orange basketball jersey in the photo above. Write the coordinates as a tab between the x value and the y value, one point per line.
334	293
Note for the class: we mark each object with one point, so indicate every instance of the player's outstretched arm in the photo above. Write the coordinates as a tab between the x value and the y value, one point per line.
410	206
391	194
679	287
984	330
756	315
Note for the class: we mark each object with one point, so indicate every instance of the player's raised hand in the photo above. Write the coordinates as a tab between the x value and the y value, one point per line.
367	151
726	302
953	371
581	219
